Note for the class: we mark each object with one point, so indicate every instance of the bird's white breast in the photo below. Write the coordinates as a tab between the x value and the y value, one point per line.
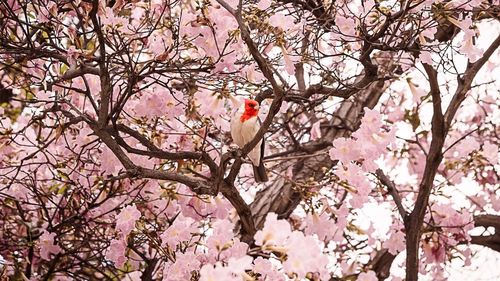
244	132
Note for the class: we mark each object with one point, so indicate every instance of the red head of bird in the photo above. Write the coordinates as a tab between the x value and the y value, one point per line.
251	110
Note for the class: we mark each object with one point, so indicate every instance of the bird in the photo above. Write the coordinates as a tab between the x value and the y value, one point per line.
245	123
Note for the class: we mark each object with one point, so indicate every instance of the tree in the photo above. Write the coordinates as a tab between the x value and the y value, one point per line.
116	157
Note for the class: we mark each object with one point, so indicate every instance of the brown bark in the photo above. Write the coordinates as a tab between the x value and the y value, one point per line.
434	157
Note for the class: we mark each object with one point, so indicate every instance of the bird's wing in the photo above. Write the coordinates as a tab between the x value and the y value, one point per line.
249	129
236	127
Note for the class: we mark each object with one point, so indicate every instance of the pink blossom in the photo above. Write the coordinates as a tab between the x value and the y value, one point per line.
375	145
72	56
466	146
13	5
453	221
46	12
109	163
210	272
238	265
425	57
350	173
18	191
157	102
417	92
495	202
177	137
429	32
367	276
222	207
84	136
136	13
180	230
372	119
345	150
116	252
198	208
395	243
316	130
284	107
357	200
464	24
281	20
416	164
266	269
253	74
47	245
207	42
274	233
304	255
235	250
57	277
490	152
472	51
264	4
467	253
346	25
222	245
227	63
45	95
210	103
125	221
434	250
181	269
159	42
480	201
224	21
174	66
320	225
110	19
106	206
152	190
289	62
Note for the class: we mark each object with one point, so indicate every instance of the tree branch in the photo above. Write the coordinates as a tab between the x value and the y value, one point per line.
416	219
244	212
440	126
465	82
394	193
198	186
154	151
106	87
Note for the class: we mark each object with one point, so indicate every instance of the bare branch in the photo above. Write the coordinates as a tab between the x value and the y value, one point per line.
416	219
106	87
393	191
465	82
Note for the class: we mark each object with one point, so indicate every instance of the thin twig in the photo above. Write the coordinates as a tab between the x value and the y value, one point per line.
393	191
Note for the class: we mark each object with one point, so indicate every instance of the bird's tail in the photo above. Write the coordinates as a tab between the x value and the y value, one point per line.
259	173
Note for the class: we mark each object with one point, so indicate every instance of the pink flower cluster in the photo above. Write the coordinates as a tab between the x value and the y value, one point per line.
359	152
304	253
366	145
